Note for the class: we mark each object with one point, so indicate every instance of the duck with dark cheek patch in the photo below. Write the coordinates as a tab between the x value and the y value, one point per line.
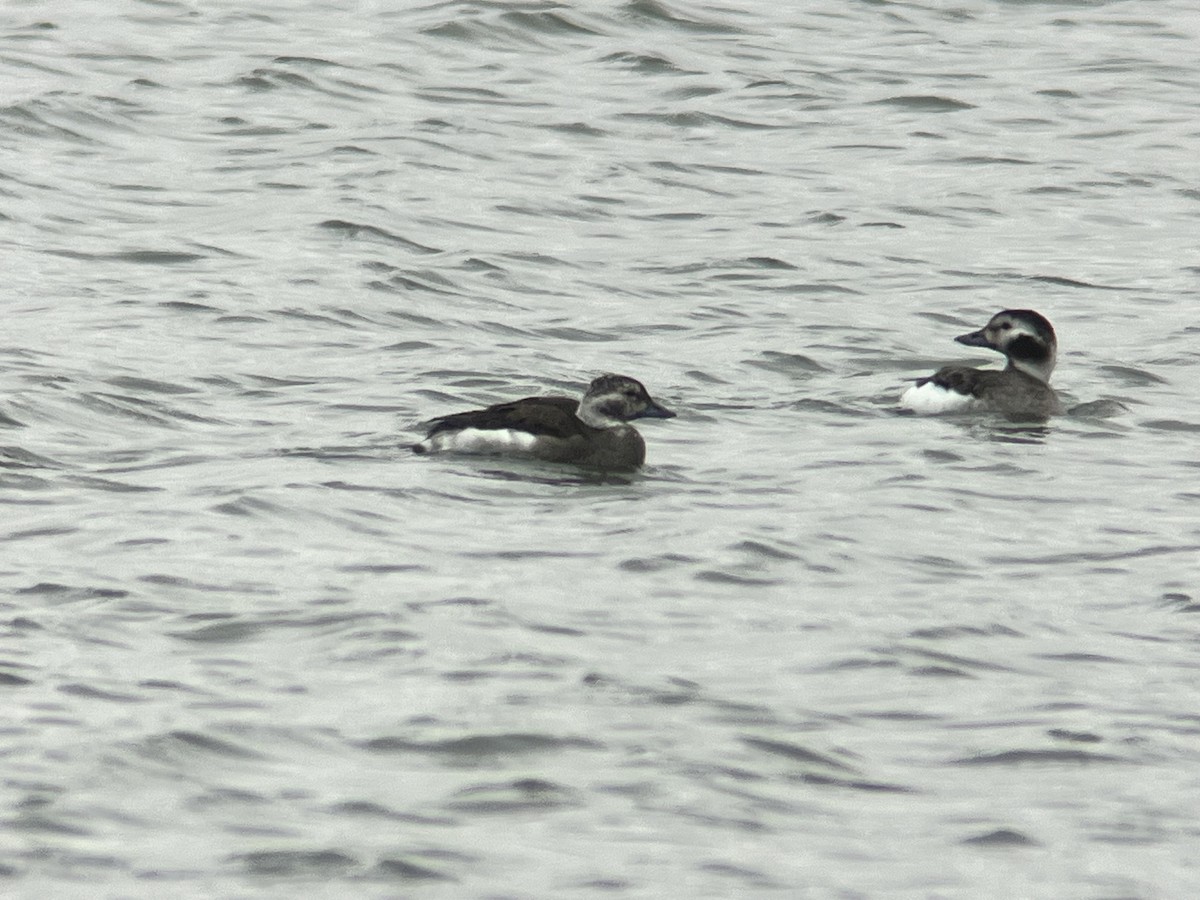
1020	391
594	431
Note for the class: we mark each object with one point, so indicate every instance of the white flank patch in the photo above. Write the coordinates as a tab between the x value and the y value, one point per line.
482	440
929	399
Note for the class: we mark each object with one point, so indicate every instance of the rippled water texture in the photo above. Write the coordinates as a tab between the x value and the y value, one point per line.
251	646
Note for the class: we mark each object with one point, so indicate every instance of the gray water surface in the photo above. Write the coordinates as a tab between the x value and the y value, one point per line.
251	646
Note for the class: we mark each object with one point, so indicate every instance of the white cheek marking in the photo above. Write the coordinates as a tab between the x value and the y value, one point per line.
482	440
930	399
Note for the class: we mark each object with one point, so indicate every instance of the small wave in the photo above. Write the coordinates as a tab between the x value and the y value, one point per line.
925	103
796	753
481	746
1001	837
654	12
524	794
295	863
357	231
1042	757
141	257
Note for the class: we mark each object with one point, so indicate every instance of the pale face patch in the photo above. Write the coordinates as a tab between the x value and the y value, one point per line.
930	399
482	440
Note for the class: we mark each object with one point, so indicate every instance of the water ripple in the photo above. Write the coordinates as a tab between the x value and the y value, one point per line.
247	636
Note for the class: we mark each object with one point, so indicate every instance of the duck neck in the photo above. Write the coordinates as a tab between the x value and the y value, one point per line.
1031	356
595	412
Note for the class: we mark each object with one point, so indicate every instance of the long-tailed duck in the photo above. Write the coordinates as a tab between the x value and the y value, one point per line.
588	432
1021	390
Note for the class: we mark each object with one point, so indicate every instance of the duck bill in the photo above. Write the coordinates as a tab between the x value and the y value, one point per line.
975	339
656	411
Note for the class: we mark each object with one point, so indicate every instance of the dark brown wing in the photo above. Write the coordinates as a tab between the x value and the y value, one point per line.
553	416
960	379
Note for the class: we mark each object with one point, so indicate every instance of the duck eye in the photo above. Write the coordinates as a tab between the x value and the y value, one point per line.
1005	326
